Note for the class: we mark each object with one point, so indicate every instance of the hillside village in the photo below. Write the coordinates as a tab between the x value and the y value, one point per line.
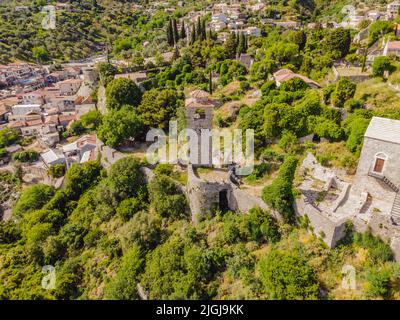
320	88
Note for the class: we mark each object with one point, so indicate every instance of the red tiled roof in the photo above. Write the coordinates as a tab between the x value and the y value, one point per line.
394	45
51	119
283	75
34	122
64	118
87	139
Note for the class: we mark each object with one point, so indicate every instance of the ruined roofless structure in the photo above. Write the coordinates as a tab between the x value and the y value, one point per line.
199	115
371	201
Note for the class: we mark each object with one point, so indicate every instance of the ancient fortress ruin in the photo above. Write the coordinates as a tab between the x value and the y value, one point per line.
209	188
370	201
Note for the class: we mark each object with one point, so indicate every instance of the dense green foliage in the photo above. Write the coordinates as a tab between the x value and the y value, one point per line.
287	276
120	92
279	194
33	198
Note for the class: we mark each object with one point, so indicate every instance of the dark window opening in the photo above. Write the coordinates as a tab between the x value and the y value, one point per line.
200	114
223	201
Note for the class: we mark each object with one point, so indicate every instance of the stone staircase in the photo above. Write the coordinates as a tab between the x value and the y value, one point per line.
390	184
395	212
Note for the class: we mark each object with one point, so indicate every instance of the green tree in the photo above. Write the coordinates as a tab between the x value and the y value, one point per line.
106	72
120	92
379	28
167	198
32	198
91	119
8	136
57	170
380	65
345	90
120	125
338	40
81	177
286	275
40	54
26	156
379	284
124	285
279	194
126	178
288	141
183	31
230	46
158	107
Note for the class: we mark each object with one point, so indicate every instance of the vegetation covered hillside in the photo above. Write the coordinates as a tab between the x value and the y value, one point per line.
106	233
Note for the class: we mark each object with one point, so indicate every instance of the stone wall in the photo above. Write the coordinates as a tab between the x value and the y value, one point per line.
197	123
330	231
391	169
203	196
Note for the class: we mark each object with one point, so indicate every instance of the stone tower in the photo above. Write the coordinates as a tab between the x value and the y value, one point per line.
199	117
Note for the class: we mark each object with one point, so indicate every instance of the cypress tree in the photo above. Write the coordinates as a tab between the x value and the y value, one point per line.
175	31
231	45
193	35
170	36
183	31
241	44
199	31
210	86
203	29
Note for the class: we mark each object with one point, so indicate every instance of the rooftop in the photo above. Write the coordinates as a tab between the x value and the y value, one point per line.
52	155
283	75
384	129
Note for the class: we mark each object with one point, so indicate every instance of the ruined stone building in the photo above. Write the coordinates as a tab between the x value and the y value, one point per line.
209	188
370	200
199	117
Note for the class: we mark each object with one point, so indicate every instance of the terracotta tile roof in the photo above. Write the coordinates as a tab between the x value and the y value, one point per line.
17	124
283	75
64	118
87	139
53	119
394	45
37	122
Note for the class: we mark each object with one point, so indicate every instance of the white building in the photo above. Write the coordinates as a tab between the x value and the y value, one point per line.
69	87
22	109
220	17
52	157
392	9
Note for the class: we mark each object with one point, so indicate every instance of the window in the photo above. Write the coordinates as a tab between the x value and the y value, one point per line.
200	114
380	159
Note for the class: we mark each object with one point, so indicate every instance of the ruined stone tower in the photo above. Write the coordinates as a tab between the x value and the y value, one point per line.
199	117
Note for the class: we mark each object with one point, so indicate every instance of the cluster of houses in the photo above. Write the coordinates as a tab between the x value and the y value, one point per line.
82	150
47	109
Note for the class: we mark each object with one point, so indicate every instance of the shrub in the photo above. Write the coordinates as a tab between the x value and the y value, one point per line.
26	156
380	65
279	194
33	198
57	170
285	275
167	198
379	283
